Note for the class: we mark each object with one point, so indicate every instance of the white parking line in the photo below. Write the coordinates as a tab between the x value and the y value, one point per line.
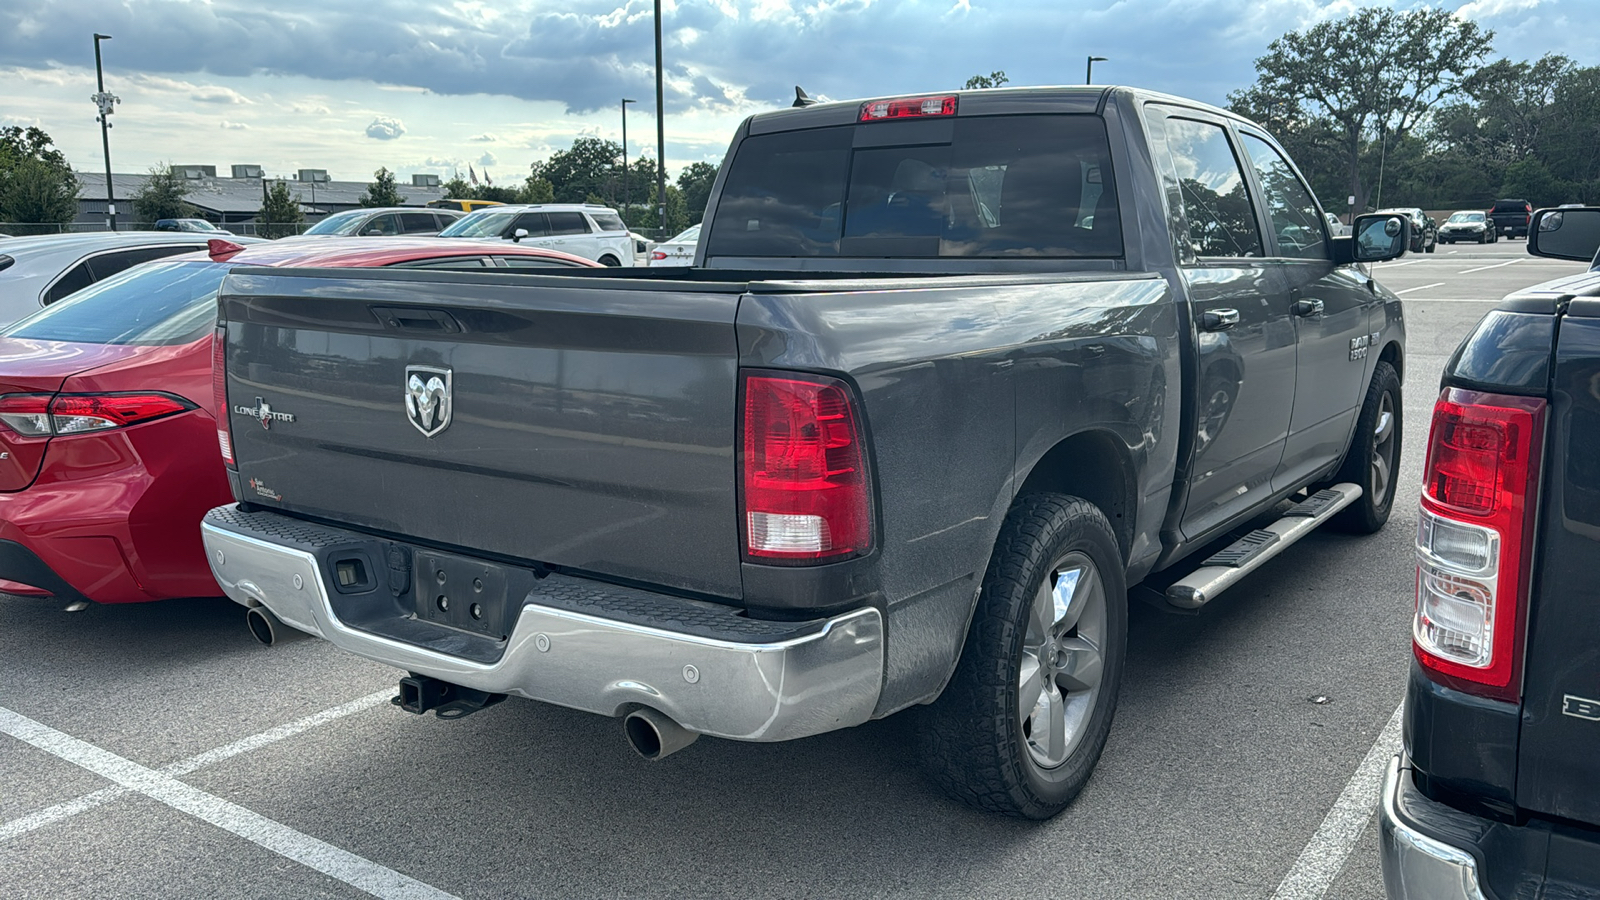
1324	855
1396	265
89	801
358	872
1495	266
1421	287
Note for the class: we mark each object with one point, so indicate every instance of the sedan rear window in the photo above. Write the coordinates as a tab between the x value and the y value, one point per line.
1028	186
150	305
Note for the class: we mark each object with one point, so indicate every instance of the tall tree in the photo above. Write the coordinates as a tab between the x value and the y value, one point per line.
1374	74
161	195
280	214
695	183
36	184
457	188
588	167
381	192
994	79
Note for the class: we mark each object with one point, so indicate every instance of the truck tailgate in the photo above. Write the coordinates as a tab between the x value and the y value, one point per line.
582	423
1558	770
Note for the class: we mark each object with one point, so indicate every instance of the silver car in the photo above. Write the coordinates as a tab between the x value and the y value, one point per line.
384	222
35	271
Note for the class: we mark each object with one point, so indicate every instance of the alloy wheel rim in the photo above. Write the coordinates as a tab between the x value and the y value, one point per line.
1063	659
1383	444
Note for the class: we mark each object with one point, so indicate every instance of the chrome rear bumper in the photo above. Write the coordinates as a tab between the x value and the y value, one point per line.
1416	866
827	679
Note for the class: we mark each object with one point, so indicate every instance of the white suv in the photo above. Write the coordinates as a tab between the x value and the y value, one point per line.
590	231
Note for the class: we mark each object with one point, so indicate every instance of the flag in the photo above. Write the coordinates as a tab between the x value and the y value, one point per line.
486	179
473	172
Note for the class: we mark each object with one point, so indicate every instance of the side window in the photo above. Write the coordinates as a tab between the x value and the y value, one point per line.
418	223
537	262
107	264
1290	206
534	223
441	221
1216	201
381	226
568	223
448	262
76	279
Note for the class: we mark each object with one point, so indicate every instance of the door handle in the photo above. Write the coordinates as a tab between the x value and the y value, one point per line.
1218	319
1307	308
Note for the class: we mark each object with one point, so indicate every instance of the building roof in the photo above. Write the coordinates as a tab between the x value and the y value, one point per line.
240	195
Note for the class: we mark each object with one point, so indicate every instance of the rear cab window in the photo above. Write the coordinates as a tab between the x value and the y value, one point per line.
152	305
981	186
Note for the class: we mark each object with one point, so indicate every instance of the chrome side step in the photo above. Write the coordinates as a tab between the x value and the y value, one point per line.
1224	568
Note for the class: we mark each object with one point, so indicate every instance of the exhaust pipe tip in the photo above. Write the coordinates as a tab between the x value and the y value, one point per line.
655	736
268	628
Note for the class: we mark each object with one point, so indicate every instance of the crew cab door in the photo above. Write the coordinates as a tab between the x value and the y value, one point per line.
1331	308
1245	341
1558	769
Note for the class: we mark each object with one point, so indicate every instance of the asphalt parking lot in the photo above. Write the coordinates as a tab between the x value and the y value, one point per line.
158	751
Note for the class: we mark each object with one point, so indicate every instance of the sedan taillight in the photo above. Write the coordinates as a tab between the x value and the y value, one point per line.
46	415
1475	540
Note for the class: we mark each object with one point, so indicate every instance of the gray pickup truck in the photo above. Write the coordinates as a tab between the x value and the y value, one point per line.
950	376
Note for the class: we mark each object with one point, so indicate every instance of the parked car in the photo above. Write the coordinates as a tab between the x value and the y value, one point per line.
384	222
198	226
586	230
1336	227
677	252
769	500
465	206
1424	229
1511	217
107	418
1497	791
35	271
1468	225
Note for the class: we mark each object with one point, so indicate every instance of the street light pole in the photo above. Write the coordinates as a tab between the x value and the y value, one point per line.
105	102
1088	76
661	133
627	177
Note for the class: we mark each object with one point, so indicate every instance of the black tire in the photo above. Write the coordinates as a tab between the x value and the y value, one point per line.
1430	247
1369	513
976	742
609	260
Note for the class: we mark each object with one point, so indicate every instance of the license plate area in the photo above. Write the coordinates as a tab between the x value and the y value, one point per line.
465	593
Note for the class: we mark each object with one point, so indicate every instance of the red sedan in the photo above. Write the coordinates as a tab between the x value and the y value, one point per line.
108	441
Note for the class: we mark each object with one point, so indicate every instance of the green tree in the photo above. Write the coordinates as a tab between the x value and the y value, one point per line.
1374	74
695	183
588	167
161	195
36	184
381	192
458	189
994	79
536	190
497	193
280	214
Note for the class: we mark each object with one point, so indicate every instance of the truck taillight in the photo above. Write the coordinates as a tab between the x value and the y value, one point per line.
47	415
806	496
219	394
907	108
1475	540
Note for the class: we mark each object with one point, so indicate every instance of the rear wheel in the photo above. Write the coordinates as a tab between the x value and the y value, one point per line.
1023	721
609	261
1373	460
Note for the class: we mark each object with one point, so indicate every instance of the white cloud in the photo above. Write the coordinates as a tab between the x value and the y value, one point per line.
488	159
235	126
1489	9
386	128
485	138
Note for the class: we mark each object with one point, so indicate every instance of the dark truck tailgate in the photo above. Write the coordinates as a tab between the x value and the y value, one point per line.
1558	758
591	423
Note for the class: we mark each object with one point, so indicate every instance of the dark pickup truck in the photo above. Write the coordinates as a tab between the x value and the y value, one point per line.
1497	792
951	374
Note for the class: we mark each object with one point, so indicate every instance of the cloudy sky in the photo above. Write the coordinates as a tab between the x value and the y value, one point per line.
434	86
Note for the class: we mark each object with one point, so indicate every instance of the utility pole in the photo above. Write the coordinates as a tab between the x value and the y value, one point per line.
1088	76
661	133
105	102
627	177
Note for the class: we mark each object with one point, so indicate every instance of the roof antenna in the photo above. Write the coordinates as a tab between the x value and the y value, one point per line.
801	98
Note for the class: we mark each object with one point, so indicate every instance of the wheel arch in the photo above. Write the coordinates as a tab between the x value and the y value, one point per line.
1394	356
1096	466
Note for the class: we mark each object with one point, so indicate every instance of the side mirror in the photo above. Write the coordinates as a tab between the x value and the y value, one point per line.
1378	238
1565	233
518	235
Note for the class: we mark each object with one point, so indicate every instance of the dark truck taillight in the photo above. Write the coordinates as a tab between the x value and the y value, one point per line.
1475	540
55	415
806	496
219	394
